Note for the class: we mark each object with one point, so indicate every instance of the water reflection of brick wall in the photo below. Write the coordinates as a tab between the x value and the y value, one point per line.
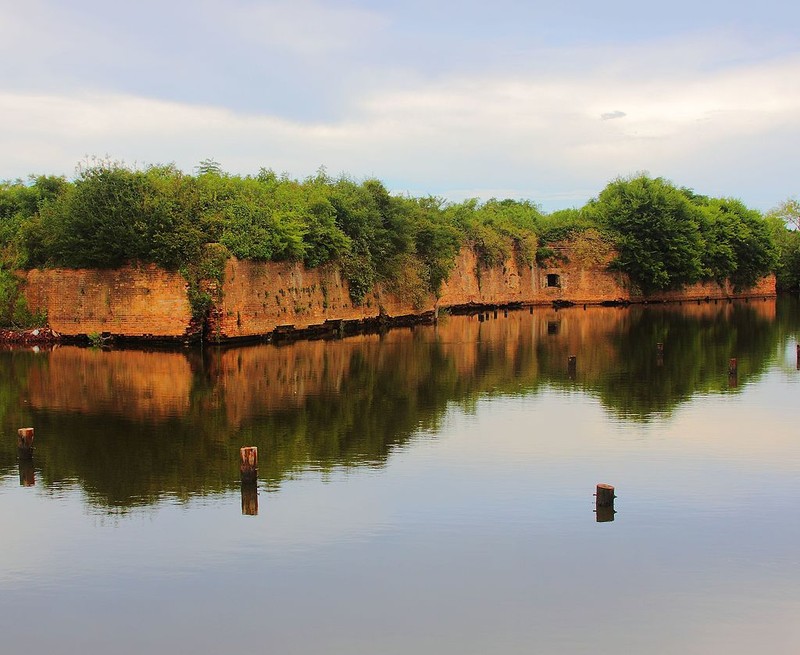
257	380
459	357
138	385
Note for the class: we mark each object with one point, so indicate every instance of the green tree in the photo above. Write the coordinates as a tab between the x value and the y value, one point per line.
738	242
656	230
782	222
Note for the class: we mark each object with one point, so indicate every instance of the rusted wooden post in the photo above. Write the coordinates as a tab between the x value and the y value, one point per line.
480	317
572	366
495	313
248	464
604	503
604	496
249	500
530	309
25	443
798	356
505	313
660	347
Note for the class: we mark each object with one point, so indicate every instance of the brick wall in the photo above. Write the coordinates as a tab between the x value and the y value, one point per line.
131	301
259	297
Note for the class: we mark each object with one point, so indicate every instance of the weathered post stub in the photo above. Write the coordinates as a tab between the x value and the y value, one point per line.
248	466
604	503
25	443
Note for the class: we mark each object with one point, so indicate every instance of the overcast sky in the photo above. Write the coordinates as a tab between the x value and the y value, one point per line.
457	99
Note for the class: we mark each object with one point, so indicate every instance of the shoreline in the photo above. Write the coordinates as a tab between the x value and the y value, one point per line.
331	329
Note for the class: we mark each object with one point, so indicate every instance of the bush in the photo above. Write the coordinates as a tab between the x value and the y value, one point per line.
656	230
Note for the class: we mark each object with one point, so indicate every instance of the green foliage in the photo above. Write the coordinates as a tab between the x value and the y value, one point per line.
209	166
437	242
205	277
500	229
782	223
738	242
656	230
14	312
20	204
112	215
562	225
360	275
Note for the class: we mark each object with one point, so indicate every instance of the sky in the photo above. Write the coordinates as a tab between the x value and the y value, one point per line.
525	100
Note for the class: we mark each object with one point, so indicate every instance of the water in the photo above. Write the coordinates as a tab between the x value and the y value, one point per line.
422	491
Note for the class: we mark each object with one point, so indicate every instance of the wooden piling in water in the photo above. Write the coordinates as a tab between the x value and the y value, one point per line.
530	309
604	496
25	443
572	366
660	347
248	464
798	356
505	313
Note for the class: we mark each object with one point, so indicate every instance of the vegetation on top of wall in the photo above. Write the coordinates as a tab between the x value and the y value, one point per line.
111	214
14	311
667	237
783	223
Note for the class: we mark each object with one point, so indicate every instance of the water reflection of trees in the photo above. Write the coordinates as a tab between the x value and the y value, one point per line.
132	428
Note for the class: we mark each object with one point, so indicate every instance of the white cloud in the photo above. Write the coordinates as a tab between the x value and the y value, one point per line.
529	132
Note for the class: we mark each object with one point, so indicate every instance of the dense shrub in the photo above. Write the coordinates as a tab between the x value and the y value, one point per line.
656	230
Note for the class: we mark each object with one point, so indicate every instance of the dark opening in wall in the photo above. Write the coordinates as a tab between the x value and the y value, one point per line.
553	280
553	327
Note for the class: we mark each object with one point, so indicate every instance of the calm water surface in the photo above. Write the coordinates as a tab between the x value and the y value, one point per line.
421	491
